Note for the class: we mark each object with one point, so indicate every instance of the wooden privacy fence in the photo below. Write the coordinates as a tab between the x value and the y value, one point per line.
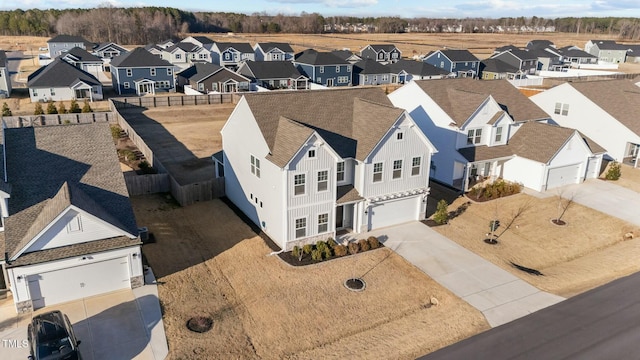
550	82
177	100
58	119
201	191
147	184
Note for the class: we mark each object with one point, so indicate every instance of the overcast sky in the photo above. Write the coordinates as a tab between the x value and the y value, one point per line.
402	8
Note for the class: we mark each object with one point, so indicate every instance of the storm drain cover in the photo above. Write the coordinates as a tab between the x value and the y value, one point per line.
355	284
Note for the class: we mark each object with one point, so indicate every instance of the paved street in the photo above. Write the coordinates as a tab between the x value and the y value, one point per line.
603	323
498	294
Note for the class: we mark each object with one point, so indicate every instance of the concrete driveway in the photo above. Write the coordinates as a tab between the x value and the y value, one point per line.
604	196
125	324
499	295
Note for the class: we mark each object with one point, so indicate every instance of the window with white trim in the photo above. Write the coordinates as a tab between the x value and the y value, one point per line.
323	180
200	86
415	165
400	136
343	79
126	85
255	166
74	225
299	182
129	72
348	68
474	136
323	223
561	109
340	171
321	69
152	71
53	91
498	134
311	153
337	69
385	77
301	227
397	169
377	172
169	72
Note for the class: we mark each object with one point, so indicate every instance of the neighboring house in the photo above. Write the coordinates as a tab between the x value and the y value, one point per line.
371	72
382	53
82	59
460	62
347	56
539	44
524	60
408	70
107	51
61	81
207	78
549	59
183	54
303	165
274	75
5	75
324	68
167	43
606	51
493	68
574	56
154	50
231	55
633	53
606	111
201	41
69	230
140	72
62	43
462	113
272	51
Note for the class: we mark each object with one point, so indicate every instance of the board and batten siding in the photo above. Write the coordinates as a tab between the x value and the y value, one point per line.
324	160
72	228
311	214
261	199
392	149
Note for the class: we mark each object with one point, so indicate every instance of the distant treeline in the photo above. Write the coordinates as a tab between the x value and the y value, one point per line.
152	24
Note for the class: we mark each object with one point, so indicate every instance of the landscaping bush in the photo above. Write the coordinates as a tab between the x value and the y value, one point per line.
146	168
307	249
86	108
74	108
373	241
5	110
127	155
494	190
297	252
363	244
441	215
38	109
321	245
327	253
340	250
51	108
62	109
331	242
354	248
614	171
316	255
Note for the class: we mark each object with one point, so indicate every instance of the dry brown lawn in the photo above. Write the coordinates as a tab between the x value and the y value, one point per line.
208	262
630	177
587	252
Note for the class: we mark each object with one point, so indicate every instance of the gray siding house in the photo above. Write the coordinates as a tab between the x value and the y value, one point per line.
62	43
207	78
324	68
273	52
607	50
5	77
60	80
274	75
140	72
382	53
371	72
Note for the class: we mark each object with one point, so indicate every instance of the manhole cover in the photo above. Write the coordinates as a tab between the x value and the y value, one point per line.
355	284
200	324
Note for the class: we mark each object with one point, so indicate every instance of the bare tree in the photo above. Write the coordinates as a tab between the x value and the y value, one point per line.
516	214
563	206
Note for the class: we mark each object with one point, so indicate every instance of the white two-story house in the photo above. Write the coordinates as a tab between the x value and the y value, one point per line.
305	165
488	129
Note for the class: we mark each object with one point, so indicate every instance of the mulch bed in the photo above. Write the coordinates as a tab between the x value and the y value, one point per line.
484	199
288	257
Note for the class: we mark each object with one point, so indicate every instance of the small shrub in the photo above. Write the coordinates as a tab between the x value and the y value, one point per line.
74	108
331	242
67	122
340	250
127	155
62	109
86	108
354	248
5	110
297	252
321	245
51	108
307	249
38	109
497	189
614	171
363	244
373	241
327	253
115	132
316	255
442	215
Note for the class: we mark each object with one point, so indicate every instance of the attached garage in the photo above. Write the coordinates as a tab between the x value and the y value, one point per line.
393	212
57	286
563	175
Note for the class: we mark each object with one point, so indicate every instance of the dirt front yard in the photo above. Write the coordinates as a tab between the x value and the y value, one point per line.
590	250
208	262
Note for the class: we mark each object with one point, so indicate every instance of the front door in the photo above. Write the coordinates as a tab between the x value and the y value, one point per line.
329	82
339	217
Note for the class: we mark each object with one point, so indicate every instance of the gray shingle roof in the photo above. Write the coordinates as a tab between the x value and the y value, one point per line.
199	71
313	57
345	54
520	53
539	44
608	45
460	97
619	98
570	51
60	73
346	194
103	46
244	48
370	66
272	69
41	160
3	58
420	68
459	55
384	47
81	55
139	57
351	120
268	46
497	66
203	39
185	46
68	39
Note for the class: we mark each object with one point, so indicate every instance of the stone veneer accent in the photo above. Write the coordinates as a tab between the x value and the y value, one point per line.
24	306
137	281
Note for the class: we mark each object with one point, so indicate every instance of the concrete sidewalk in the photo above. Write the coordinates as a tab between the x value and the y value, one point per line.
499	295
603	196
124	324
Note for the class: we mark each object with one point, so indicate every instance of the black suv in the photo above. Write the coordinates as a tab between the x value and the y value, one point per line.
51	337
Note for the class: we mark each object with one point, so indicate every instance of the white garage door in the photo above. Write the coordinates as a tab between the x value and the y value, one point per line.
563	175
393	212
76	282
